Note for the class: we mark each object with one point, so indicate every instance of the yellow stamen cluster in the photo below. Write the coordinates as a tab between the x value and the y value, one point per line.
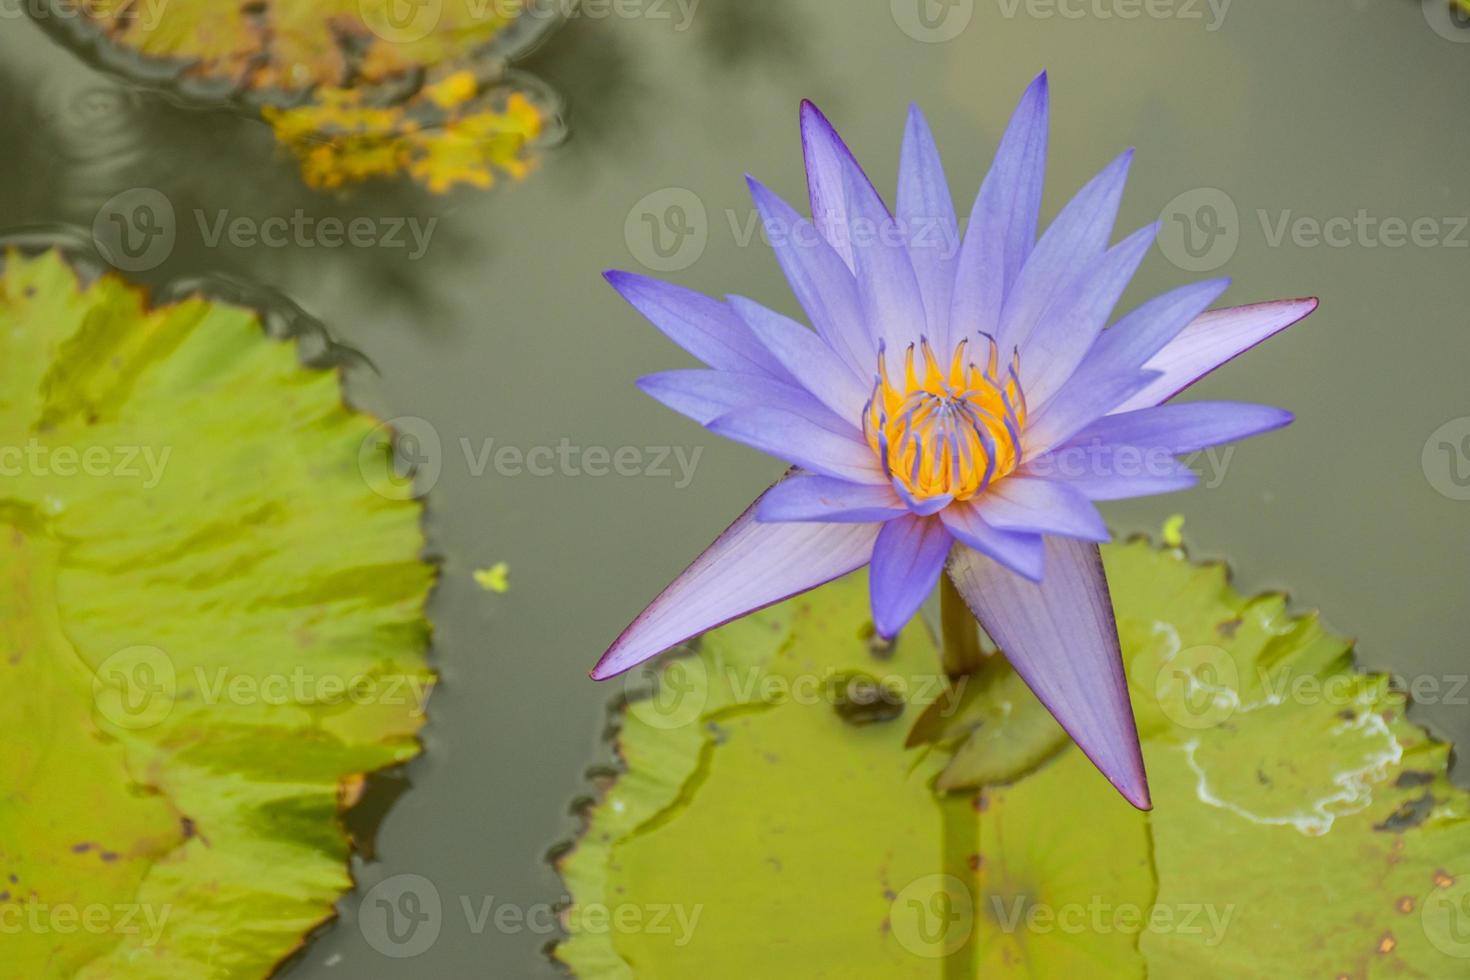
946	432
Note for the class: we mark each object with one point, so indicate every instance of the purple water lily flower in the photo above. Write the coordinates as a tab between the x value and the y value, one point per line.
959	407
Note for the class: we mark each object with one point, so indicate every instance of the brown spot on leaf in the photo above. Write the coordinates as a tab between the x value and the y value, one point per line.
1408	816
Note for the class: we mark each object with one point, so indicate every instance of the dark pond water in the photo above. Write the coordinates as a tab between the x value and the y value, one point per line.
1260	121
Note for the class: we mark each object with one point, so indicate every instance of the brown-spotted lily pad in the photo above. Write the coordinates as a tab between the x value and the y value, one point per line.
354	89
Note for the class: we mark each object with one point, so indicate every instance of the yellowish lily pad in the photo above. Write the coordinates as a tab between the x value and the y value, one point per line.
212	628
1302	827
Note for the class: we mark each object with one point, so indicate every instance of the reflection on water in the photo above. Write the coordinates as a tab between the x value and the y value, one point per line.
96	137
90	139
611	90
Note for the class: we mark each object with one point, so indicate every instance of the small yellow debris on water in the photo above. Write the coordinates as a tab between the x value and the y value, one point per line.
495	578
1174	531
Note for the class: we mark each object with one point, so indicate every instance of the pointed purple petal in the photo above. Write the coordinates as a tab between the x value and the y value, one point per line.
1036	506
827	156
924	507
1023	553
751	566
1077	405
907	559
1076	316
823	284
1061	638
888	290
1002	228
705	395
808	359
801	442
821	498
1078	236
1215	338
1143	332
704	327
925	213
1185	427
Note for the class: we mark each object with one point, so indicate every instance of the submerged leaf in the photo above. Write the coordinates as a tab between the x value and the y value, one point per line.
1302	827
210	627
993	727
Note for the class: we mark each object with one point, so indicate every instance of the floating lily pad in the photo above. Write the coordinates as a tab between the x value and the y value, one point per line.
212	627
354	89
1302	826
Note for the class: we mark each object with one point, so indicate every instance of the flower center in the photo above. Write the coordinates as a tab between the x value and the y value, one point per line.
946	432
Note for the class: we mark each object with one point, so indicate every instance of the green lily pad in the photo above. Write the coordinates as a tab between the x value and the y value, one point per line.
212	629
1302	826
